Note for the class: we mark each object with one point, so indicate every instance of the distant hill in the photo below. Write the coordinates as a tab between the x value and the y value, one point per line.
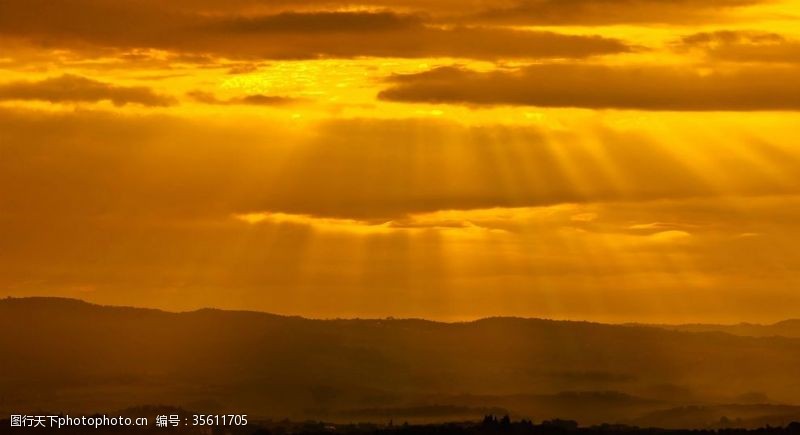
71	356
721	416
786	328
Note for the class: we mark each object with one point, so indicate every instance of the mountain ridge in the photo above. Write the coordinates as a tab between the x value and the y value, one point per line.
74	356
686	327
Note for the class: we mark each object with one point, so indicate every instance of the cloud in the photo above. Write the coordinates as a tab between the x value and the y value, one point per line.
670	236
350	34
252	99
658	226
282	262
141	207
366	170
334	225
319	22
80	24
604	12
743	46
75	89
602	87
105	14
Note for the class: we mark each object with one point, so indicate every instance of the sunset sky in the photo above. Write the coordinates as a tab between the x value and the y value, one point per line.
608	160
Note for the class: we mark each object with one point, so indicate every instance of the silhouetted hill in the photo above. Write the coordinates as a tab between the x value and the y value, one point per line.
721	416
787	328
66	355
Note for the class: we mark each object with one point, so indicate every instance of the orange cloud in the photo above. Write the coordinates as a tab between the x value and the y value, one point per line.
603	87
252	99
78	24
603	12
367	170
744	46
75	89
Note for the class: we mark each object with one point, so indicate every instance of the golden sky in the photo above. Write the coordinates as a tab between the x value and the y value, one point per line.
612	160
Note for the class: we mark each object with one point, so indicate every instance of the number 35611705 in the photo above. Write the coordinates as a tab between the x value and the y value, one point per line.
219	420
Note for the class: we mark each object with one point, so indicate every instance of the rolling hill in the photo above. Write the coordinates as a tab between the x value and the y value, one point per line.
786	328
71	356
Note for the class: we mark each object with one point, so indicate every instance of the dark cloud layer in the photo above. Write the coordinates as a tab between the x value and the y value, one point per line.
93	165
83	12
252	99
600	87
320	22
310	29
75	89
80	24
334	35
600	12
744	46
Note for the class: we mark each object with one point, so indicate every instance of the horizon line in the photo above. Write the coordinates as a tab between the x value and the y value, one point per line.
392	318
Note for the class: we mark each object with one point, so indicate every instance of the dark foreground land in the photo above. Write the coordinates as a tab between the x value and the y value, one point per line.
79	358
489	426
